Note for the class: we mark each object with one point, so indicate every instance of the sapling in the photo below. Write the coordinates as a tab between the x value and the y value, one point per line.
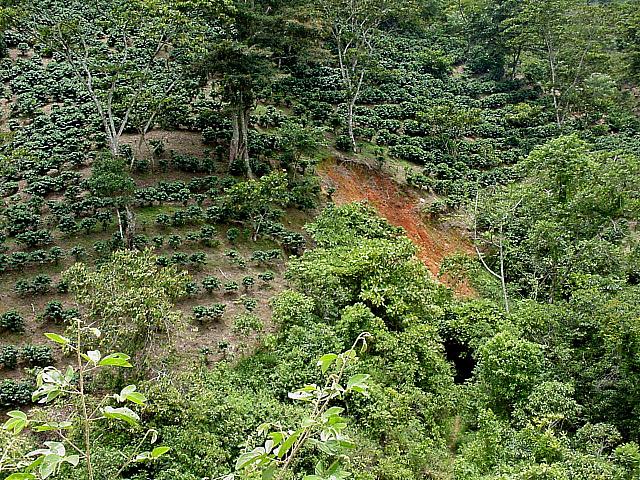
71	384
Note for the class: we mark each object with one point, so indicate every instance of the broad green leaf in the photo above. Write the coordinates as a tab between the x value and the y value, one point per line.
332	411
249	458
17	422
116	360
21	476
269	472
46	427
264	428
326	361
129	393
54	337
159	451
357	382
288	443
122	413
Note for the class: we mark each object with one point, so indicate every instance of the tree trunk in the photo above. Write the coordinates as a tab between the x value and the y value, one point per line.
239	147
350	125
244	136
235	139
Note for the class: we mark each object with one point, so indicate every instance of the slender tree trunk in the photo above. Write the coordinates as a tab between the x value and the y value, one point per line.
244	136
554	92
235	138
130	231
350	125
239	147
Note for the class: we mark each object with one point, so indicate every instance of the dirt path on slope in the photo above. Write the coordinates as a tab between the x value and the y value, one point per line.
400	206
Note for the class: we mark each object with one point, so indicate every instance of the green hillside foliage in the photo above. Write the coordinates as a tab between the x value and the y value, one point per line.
185	293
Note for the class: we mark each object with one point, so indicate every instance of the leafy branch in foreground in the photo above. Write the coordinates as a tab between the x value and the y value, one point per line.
323	427
53	383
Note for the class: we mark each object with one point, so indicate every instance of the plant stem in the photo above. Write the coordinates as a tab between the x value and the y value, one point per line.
83	402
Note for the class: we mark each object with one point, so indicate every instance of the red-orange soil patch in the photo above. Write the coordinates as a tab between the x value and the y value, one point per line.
401	207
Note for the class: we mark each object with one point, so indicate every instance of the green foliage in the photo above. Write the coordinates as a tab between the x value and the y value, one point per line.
246	324
12	321
570	219
130	297
341	225
109	178
205	314
9	357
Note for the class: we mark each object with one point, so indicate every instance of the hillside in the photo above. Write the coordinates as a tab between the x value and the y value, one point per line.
319	240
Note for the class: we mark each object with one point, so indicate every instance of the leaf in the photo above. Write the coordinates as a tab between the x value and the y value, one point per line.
21	476
249	458
332	412
326	361
72	460
123	413
116	360
288	443
17	421
94	355
357	383
54	337
269	472
159	451
49	426
264	428
129	393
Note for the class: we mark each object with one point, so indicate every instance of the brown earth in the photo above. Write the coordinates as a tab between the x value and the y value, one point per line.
400	205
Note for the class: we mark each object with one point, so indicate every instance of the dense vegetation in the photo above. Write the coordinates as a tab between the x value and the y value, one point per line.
182	298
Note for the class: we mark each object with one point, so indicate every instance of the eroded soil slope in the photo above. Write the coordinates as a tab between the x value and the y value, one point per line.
399	205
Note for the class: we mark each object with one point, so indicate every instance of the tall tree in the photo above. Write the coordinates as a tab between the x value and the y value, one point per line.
120	51
568	38
241	69
353	26
266	36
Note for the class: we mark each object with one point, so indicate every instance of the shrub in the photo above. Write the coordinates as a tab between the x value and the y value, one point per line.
261	256
207	236
211	283
36	238
246	324
179	258
235	257
158	241
78	252
12	321
213	312
62	286
40	285
248	282
9	357
232	234
174	241
267	276
231	287
198	259
37	355
163	220
191	288
13	393
249	303
55	254
55	312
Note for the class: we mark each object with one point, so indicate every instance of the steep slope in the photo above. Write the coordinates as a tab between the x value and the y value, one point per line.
399	205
